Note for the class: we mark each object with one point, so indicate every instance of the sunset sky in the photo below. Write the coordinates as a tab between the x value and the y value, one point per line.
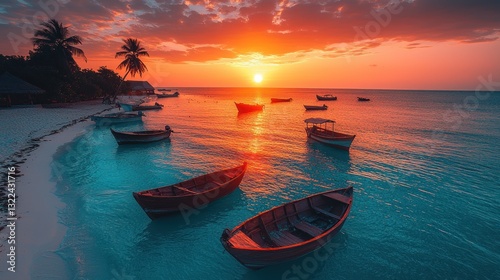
411	44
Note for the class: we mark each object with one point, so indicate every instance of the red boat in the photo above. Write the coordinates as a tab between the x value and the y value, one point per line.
289	231
191	193
275	100
244	108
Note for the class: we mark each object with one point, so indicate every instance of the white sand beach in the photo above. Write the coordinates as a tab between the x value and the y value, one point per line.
37	230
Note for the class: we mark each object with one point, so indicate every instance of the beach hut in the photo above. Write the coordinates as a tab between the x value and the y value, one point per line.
12	87
140	88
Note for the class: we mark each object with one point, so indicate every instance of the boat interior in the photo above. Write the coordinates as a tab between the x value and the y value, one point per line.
294	223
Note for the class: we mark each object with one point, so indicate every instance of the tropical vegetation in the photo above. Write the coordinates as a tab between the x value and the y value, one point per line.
51	66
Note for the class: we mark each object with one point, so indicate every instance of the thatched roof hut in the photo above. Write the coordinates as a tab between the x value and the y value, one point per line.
12	86
140	88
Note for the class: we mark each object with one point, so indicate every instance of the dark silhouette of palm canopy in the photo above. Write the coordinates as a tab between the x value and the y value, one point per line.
131	50
55	37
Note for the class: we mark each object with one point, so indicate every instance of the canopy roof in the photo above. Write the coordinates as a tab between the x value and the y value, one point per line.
318	121
10	84
140	85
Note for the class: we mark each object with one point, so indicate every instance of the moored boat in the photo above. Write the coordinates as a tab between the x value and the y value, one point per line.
326	97
115	118
190	194
144	136
363	99
327	136
156	106
166	95
276	100
289	231
244	108
314	107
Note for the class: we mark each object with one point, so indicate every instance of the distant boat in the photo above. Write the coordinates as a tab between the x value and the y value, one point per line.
156	106
363	99
289	231
145	136
244	108
166	95
327	136
275	100
326	97
189	194
313	107
115	118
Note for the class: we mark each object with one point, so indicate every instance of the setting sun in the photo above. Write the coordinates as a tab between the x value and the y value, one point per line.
258	78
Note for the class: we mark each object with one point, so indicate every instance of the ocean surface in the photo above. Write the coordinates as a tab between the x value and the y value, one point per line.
425	167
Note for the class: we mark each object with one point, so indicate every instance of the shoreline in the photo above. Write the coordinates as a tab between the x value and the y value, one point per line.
38	232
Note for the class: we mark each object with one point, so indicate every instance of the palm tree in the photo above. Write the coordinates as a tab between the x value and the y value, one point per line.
131	50
55	38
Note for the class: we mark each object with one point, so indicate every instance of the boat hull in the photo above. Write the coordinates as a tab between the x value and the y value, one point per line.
134	138
310	107
338	140
326	98
157	206
168	95
276	100
245	108
287	218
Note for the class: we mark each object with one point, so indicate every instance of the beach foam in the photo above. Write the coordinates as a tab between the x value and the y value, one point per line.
31	139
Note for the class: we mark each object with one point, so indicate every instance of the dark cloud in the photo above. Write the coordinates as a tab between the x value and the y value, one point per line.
270	27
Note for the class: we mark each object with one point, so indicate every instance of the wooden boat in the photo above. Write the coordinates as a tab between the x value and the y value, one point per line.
327	136
115	118
189	194
275	100
166	95
244	108
145	136
363	99
313	107
289	231
326	97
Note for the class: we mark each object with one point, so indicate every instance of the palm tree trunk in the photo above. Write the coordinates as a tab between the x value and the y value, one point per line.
119	86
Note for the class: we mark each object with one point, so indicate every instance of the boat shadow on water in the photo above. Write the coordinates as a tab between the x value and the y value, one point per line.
309	266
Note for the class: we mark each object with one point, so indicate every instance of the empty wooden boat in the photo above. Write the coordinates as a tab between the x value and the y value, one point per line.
289	231
276	100
326	97
314	107
321	133
191	193
144	136
363	99
244	108
116	118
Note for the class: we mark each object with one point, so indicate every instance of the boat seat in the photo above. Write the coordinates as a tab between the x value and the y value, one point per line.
339	197
184	189
240	239
284	238
326	213
306	227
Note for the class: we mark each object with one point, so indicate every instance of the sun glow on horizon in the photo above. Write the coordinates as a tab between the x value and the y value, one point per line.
258	78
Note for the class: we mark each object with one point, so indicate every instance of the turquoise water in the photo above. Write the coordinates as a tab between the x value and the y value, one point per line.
424	165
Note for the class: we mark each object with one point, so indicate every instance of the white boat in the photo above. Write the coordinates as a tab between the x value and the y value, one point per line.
320	132
115	118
